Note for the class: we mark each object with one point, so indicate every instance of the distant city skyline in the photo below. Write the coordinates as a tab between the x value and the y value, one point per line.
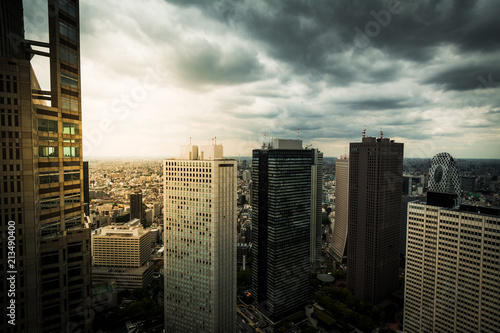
155	74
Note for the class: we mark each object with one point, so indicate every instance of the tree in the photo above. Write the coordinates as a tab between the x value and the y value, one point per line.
244	278
340	274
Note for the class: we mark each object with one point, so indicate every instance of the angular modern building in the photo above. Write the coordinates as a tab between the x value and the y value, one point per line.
41	168
452	269
375	182
200	241
286	227
339	237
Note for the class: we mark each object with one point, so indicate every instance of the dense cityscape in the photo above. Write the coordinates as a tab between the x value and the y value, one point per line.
289	230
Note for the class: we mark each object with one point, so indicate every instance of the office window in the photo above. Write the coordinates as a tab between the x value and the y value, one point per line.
47	125
69	80
48	203
71	151
67	31
48	151
70	128
49	177
70	175
68	56
69	103
68	6
72	198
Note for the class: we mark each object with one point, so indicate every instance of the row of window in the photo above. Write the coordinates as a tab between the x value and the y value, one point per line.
53	176
46	125
53	151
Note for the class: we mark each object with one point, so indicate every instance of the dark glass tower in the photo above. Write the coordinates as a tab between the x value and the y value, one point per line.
375	182
136	211
286	228
41	168
86	188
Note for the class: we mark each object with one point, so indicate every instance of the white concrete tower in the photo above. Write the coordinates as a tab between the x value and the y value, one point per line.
200	241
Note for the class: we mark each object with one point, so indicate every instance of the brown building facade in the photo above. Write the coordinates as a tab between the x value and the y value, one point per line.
41	171
375	182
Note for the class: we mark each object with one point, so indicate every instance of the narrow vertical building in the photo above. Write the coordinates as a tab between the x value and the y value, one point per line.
339	239
42	171
86	188
136	208
375	182
200	241
286	227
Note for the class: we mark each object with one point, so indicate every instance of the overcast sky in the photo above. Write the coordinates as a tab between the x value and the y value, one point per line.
155	73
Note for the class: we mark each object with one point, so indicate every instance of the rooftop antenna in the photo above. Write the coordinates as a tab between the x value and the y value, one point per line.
216	141
298	133
381	133
190	141
364	132
264	136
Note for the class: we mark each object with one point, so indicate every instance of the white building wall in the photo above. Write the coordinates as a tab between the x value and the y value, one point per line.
451	281
200	245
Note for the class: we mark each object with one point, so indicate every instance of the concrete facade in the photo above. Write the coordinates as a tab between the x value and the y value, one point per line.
200	242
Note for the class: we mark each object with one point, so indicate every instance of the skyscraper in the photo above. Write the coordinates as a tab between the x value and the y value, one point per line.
200	241
375	182
339	239
136	208
452	269
286	227
42	172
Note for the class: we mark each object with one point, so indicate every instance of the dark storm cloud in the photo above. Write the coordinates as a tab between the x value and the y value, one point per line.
469	76
377	104
206	63
306	33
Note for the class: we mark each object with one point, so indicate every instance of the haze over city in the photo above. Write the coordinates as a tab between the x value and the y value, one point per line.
155	74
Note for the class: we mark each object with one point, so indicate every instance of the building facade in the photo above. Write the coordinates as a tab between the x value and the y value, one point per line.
121	254
200	241
452	269
41	168
286	226
375	182
339	237
121	246
404	224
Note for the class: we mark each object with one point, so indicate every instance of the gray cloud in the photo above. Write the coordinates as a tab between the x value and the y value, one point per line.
248	67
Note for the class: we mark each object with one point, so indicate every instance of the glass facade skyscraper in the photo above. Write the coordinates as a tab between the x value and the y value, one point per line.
286	227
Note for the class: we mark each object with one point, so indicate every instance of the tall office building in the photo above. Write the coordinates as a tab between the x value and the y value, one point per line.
375	182
136	208
200	241
42	174
286	227
339	239
452	269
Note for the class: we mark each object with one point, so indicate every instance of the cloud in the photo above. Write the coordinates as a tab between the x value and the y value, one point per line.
239	69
